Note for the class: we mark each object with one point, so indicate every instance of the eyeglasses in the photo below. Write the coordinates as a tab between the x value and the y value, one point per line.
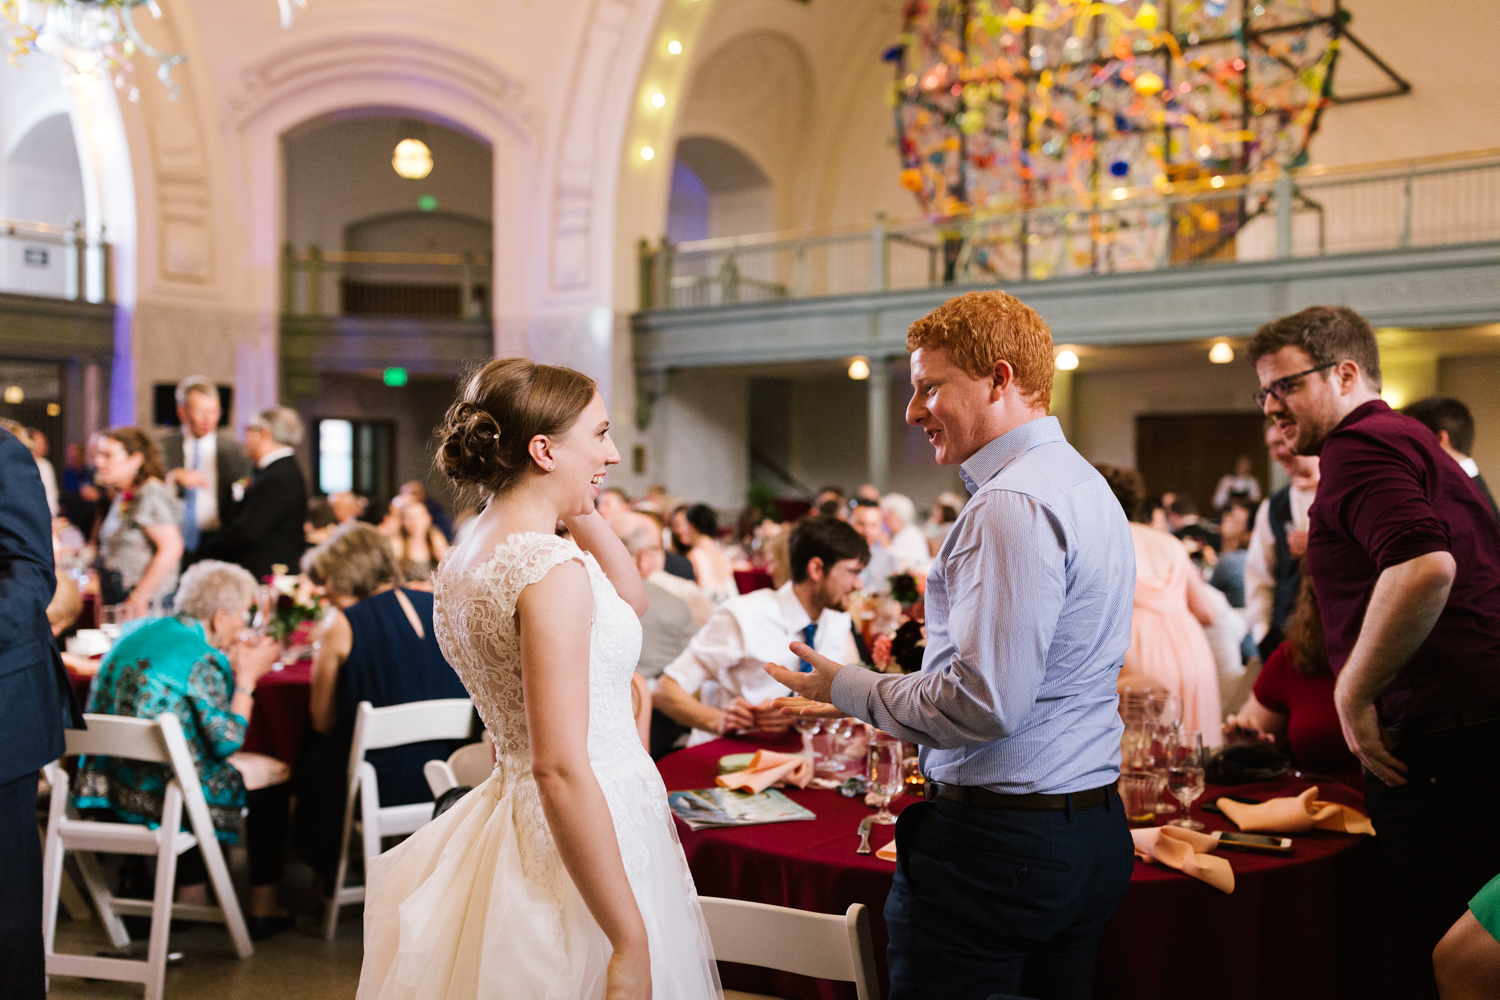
1282	387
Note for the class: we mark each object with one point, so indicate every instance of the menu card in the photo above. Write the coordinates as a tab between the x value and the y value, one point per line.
709	808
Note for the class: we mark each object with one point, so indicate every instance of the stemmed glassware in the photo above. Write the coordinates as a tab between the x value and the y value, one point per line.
1162	715
1184	765
887	775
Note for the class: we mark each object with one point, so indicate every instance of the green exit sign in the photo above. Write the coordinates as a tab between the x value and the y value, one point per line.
394	376
428	203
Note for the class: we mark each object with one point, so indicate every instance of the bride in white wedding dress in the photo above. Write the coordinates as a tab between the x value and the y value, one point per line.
561	875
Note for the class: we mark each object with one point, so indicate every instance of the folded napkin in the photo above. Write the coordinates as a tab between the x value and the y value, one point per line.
1185	850
1296	815
769	768
886	852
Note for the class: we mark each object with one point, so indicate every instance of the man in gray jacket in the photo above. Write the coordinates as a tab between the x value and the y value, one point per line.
204	463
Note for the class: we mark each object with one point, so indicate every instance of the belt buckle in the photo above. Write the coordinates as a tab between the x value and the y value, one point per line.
929	790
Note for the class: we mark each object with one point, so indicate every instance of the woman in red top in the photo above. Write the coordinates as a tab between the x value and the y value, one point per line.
1292	702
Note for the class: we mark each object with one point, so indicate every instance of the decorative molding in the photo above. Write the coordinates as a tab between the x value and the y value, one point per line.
313	345
1425	287
578	153
347	58
39	327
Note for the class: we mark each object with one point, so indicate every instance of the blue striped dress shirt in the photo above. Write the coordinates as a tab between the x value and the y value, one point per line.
1028	620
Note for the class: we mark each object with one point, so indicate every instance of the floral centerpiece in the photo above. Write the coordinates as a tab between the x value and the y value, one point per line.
288	603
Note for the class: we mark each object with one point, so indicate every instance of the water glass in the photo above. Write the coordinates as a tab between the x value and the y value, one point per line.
1141	793
887	774
1184	765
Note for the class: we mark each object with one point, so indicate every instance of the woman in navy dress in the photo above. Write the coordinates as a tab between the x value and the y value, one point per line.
378	646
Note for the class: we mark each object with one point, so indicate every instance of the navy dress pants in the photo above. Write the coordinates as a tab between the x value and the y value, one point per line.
21	966
989	901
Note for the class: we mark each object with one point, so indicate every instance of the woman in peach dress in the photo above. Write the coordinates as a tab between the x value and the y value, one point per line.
1167	642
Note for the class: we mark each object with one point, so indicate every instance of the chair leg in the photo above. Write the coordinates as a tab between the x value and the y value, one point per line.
104	900
161	916
331	917
229	904
52	878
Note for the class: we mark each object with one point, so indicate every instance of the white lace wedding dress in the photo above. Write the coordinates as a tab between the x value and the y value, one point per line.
477	904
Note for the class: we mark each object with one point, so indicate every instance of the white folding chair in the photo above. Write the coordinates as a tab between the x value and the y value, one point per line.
468	765
821	945
376	729
157	741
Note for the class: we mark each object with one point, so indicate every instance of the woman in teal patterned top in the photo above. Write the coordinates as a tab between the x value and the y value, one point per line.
194	666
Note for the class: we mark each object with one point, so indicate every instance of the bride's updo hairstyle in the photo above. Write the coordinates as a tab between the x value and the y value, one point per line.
484	437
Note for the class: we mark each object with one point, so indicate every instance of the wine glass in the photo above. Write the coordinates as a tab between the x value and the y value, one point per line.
887	775
1184	760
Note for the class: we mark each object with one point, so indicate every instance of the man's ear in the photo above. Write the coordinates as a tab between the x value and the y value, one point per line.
1001	379
815	569
1444	441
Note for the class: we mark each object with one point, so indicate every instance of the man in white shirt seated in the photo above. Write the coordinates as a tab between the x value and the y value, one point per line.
719	684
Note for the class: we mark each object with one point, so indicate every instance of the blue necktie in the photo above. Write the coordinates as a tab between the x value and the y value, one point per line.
810	630
190	509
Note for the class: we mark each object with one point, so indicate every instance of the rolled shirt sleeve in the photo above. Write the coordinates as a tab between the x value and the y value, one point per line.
1004	578
717	647
1389	515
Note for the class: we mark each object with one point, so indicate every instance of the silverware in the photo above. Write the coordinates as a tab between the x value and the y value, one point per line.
864	835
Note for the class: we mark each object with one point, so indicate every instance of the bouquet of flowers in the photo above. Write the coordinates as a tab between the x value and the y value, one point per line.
287	603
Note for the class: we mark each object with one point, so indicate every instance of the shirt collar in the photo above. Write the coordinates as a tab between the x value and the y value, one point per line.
792	611
987	462
275	456
1470	466
1360	412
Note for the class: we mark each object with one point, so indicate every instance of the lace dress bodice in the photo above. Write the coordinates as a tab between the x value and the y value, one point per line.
474	618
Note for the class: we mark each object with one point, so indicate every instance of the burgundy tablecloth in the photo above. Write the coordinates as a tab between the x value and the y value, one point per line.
746	580
280	720
1294	927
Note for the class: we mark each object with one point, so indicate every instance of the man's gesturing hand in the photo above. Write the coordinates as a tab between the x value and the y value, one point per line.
816	686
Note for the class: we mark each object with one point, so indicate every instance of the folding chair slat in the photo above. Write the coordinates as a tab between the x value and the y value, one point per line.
820	945
158	740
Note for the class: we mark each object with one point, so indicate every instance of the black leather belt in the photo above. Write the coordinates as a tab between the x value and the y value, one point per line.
1409	728
983	798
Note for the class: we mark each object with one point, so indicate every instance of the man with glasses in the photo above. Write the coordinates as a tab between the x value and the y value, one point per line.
1405	557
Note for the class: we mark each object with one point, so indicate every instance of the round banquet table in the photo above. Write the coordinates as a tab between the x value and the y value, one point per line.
1294	927
280	719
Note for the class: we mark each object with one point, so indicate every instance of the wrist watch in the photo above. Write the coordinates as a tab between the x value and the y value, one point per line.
241	689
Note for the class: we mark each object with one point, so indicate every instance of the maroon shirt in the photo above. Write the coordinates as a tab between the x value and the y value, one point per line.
1313	733
1388	494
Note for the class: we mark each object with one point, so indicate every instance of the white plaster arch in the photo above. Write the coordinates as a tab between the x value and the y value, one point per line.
417	77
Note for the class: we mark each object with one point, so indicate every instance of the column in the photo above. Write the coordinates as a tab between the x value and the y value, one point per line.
879	407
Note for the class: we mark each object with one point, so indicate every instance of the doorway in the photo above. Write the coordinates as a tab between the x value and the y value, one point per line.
1188	453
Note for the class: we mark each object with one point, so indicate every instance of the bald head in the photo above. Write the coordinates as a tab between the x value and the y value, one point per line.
641	536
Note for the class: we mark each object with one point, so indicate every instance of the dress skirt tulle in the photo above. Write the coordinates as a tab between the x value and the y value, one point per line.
456	913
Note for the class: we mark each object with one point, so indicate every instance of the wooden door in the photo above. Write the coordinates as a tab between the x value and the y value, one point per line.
1190	452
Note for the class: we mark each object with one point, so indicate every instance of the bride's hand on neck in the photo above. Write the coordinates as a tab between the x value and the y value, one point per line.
594	535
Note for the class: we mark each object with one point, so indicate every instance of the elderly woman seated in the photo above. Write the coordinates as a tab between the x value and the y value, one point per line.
378	646
195	665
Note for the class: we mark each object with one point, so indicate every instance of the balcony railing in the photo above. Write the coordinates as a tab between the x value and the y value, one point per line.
37	258
317	282
1312	211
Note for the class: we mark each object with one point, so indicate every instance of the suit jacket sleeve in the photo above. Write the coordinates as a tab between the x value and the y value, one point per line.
232	467
35	698
266	503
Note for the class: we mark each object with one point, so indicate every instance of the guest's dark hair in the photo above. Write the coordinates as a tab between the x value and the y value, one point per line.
1127	486
866	502
825	538
1327	334
1304	630
1184	506
703	519
829	508
320	514
1443	413
486	435
136	442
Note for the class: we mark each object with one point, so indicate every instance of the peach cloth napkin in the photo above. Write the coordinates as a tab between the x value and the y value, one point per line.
1185	850
1296	815
769	768
887	852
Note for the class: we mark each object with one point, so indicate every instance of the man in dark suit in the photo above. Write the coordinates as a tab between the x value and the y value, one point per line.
36	704
266	529
1453	424
204	463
